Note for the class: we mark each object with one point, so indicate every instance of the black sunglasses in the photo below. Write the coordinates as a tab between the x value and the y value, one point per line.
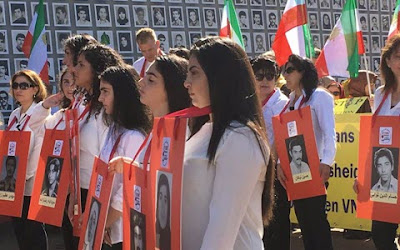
269	76
289	70
22	85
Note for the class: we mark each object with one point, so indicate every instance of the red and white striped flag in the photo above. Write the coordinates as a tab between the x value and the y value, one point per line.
395	26
35	45
230	24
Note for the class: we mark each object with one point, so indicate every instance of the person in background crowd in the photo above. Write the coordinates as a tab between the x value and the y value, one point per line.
358	87
266	71
228	169
149	47
128	120
335	88
302	78
28	90
384	233
181	52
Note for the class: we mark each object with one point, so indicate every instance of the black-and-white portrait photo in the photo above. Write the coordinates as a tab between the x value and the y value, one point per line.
271	39
193	17
313	20
138	230
385	22
159	18
257	19
48	41
366	65
312	4
83	15
20	63
336	16
384	5
162	37
51	177
384	40
194	37
337	4
362	4
35	5
6	100
376	61
106	37
178	39
9	168
324	4
259	42
316	41
326	21
255	2
61	14
247	42
2	13
243	15
297	155
282	3
124	41
374	22
93	221
364	22
61	37
240	2
103	17
384	173
163	210
122	16
376	46
270	2
208	1
176	15
210	18
272	18
3	42
50	64
18	14
18	38
192	1
373	4
140	16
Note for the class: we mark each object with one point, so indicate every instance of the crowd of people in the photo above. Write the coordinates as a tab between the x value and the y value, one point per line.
234	193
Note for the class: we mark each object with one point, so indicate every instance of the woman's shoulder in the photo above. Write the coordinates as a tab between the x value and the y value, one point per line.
239	132
133	135
321	95
379	91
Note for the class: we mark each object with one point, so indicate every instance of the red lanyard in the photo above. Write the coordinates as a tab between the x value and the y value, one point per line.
191	112
267	99
381	104
303	100
143	71
15	120
114	149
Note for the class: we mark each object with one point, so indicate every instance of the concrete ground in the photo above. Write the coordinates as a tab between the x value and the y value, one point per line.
8	241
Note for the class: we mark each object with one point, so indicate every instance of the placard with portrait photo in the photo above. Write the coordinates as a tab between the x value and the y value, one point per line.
366	43
140	16
5	74
272	19
176	17
378	168
18	38
336	16
271	39
312	4
373	5
362	5
18	13
122	16
210	18
34	6
337	4
194	37
364	22
385	23
158	16
257	19
240	2
124	41
163	204
208	1
375	44
259	43
83	15
315	37
49	44
6	100
384	40
106	37
313	20
270	2
384	5
376	63
9	172
178	39
61	14
103	15
374	25
326	22
61	37
50	64
163	37
193	17
297	151
3	42
247	42
255	2
324	4
243	18
2	13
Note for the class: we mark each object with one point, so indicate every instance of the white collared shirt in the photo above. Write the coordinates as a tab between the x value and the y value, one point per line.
138	65
392	186
386	106
321	104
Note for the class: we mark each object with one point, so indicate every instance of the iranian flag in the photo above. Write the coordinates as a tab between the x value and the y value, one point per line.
293	34
35	45
395	26
340	55
230	24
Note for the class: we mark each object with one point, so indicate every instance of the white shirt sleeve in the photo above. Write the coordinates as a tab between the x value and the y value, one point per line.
238	164
37	120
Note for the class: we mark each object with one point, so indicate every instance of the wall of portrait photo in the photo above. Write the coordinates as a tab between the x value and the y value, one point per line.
176	22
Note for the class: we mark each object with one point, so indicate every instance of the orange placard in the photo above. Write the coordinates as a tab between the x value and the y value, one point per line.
14	150
97	205
166	167
72	125
298	154
378	169
138	219
52	179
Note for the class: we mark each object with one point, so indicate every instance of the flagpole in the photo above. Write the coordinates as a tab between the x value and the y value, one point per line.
368	81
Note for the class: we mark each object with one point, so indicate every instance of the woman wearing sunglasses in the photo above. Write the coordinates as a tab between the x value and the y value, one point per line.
302	78
277	234
28	90
228	172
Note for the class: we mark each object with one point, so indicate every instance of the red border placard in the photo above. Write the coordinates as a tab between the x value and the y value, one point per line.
371	137
45	209
299	122
99	195
14	143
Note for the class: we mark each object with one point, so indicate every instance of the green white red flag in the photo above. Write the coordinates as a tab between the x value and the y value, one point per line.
35	45
395	26
230	25
341	53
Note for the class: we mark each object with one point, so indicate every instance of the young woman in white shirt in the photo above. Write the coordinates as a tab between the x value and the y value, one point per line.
302	78
388	97
266	71
128	120
28	89
228	173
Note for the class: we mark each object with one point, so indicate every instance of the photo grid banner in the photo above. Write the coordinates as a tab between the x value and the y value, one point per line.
176	22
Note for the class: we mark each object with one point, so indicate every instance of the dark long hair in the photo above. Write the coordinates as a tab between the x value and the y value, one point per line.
233	98
165	234
388	77
174	70
128	111
309	80
76	43
100	57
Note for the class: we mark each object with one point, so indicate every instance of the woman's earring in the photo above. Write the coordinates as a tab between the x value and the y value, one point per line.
34	96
